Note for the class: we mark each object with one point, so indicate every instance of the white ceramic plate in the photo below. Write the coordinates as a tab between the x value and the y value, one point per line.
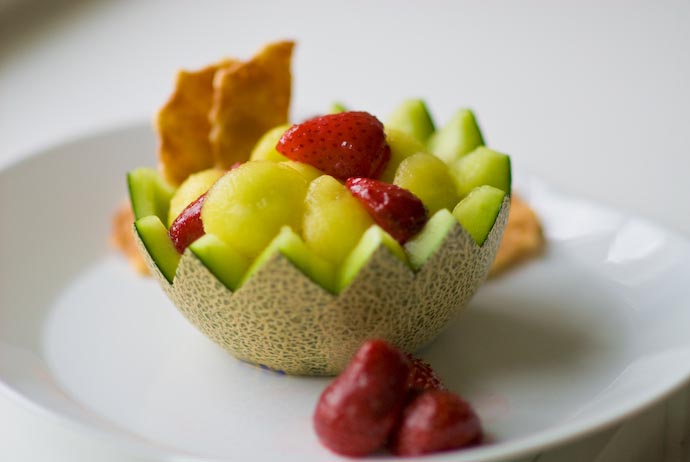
585	336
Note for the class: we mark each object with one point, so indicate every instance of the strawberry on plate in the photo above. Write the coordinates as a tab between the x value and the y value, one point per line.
385	398
344	145
358	410
435	420
422	376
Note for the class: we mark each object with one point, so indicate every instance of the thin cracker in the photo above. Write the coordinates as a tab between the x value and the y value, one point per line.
183	125
249	99
122	238
523	237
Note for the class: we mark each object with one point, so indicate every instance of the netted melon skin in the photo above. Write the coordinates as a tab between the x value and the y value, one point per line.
281	319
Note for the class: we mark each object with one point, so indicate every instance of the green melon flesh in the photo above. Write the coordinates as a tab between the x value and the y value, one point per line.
402	146
155	237
194	186
478	211
265	148
309	172
422	246
334	220
371	240
149	193
458	137
482	166
249	205
413	118
226	263
292	247
337	108
430	179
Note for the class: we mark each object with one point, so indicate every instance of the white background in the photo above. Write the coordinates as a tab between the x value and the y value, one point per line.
592	96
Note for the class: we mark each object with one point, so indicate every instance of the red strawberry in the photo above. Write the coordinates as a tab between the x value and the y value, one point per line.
435	420
423	377
187	227
342	145
396	210
358	410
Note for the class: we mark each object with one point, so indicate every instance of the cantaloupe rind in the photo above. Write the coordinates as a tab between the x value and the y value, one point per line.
281	319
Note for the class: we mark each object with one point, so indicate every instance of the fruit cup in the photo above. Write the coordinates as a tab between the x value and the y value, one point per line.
287	311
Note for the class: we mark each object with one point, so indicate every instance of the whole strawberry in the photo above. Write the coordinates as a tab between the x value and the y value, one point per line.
342	145
357	411
396	210
435	420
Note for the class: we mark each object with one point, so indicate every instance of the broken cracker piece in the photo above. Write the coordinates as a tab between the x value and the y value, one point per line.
183	125
122	238
523	237
249	99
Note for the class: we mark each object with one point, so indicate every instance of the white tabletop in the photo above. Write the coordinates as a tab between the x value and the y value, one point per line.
594	98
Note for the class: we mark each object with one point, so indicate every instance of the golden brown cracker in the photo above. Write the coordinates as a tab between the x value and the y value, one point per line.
183	125
249	99
122	238
522	238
